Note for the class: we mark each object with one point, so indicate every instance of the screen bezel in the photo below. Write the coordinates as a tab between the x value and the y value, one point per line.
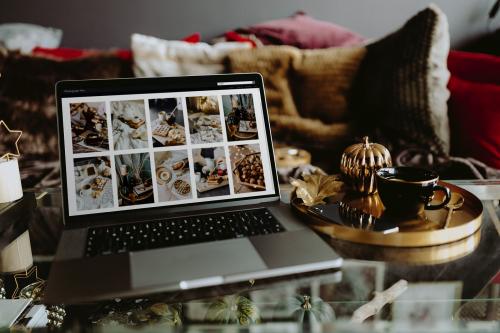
105	87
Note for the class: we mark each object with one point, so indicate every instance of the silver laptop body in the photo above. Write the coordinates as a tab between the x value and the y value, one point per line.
77	277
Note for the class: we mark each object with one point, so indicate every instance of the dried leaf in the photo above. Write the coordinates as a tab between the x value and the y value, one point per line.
314	188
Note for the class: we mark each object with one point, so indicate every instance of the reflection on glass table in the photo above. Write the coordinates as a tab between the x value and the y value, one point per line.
457	293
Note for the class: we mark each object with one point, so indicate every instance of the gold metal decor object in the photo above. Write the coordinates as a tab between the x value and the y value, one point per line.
36	291
423	230
423	255
3	293
360	162
4	128
289	157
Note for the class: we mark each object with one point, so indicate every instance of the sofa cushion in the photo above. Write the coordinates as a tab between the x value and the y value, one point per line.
400	94
321	82
474	106
274	63
303	31
158	57
306	90
477	67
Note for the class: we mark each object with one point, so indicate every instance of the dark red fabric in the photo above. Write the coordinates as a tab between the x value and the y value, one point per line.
194	38
233	36
474	113
477	67
63	53
304	32
124	54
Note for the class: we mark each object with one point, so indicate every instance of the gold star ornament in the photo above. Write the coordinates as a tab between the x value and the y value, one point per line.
7	137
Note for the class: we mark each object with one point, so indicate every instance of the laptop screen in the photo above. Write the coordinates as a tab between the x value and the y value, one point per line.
131	150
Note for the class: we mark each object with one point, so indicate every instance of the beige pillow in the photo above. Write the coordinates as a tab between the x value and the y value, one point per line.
159	57
312	84
274	63
321	81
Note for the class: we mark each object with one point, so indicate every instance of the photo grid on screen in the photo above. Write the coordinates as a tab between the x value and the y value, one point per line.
149	150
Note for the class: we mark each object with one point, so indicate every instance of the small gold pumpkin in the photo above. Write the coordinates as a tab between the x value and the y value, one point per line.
361	161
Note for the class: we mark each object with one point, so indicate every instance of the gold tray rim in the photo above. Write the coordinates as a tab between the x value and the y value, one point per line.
399	239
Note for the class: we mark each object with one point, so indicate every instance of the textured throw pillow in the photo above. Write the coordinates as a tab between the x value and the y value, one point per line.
474	106
159	57
321	81
274	63
476	67
475	120
306	91
400	93
303	31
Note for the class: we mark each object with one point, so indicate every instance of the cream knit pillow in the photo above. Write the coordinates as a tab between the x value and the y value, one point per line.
159	57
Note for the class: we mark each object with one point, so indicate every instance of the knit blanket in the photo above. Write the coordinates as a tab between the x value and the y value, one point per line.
27	102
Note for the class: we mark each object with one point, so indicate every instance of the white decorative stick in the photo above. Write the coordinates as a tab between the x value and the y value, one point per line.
377	303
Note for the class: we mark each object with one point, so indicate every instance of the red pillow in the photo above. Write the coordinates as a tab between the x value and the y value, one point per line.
304	32
233	36
477	67
194	38
474	113
64	53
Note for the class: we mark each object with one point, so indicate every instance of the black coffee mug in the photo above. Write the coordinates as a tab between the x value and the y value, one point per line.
407	191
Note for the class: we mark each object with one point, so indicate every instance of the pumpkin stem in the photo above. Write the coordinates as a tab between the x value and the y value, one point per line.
366	141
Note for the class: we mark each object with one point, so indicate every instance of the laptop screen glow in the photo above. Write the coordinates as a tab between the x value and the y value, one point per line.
126	152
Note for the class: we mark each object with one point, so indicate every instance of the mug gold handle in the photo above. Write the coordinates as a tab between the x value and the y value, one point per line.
447	194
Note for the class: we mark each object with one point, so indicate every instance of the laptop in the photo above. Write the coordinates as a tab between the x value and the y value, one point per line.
170	184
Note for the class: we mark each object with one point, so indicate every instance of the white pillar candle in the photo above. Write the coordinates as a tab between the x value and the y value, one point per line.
10	181
17	257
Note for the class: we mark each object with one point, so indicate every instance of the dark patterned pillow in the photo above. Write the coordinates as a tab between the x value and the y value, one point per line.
400	94
27	95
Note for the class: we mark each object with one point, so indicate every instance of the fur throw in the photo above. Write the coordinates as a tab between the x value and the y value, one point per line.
27	99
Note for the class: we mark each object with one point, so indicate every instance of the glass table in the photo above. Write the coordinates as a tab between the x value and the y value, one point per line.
452	288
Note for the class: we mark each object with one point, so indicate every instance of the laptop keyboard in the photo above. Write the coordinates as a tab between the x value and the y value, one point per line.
180	231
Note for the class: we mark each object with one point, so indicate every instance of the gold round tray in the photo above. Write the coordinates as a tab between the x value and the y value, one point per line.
424	230
423	255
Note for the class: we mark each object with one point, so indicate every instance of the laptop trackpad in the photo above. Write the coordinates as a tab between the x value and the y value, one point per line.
192	262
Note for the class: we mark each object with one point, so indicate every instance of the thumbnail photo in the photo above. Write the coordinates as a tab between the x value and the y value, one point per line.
172	175
89	127
210	169
93	183
239	114
204	119
135	185
129	125
167	122
247	167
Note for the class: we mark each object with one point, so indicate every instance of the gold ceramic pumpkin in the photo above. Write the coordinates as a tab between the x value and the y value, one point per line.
360	162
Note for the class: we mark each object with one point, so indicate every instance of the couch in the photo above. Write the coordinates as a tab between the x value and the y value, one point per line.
322	99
